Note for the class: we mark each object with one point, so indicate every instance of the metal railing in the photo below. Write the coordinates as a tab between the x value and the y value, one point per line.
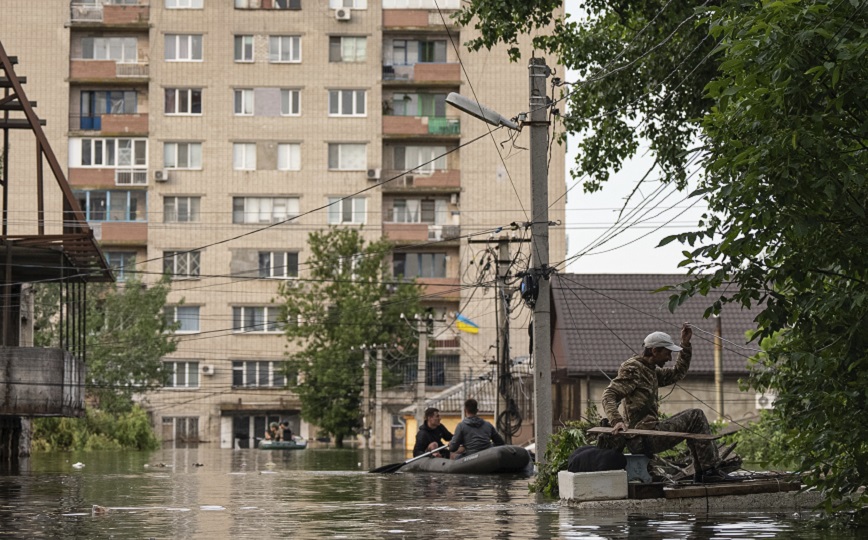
131	177
92	11
131	69
444	126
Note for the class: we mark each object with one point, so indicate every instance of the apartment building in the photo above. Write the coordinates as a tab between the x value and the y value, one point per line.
192	129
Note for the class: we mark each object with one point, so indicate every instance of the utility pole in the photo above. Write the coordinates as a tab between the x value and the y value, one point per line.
378	421
422	329
718	366
539	189
503	378
366	397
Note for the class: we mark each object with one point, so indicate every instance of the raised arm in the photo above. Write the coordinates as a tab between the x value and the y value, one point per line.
671	375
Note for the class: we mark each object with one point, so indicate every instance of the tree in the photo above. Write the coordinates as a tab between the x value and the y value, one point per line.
774	93
349	301
126	337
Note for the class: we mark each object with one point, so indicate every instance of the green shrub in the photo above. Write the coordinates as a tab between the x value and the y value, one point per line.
561	444
97	430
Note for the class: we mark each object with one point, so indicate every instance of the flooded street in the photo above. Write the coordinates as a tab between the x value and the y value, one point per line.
316	493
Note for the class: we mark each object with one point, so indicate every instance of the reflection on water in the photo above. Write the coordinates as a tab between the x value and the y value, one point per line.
316	493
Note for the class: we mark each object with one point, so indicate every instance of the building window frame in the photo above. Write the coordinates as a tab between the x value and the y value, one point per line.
348	103
244	49
256	320
188	316
121	263
178	99
183	48
339	158
290	102
284	49
185	374
348	49
244	156
289	156
176	152
258	373
278	264
261	210
182	264
181	209
347	210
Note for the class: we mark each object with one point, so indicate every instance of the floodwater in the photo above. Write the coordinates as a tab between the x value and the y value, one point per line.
318	493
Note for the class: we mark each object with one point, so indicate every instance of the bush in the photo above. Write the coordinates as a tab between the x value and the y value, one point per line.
763	442
97	430
561	444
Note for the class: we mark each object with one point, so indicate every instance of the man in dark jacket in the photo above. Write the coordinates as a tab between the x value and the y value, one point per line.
473	433
431	435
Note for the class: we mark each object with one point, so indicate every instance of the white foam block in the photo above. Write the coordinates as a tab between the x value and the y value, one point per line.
593	486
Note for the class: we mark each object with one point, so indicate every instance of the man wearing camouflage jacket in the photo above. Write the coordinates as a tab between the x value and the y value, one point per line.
636	385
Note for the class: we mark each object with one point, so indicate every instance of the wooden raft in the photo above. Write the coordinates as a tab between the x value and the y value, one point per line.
654	433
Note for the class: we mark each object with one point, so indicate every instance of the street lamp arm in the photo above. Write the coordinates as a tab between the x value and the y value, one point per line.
476	110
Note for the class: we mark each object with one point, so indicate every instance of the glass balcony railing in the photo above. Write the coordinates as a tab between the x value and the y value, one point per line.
444	126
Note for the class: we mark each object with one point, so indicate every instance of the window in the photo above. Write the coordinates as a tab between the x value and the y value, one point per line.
244	156
423	265
347	49
275	4
244	48
182	429
114	205
420	159
183	101
119	49
347	102
184	374
263	209
289	157
108	152
284	49
250	373
410	51
181	264
244	102
347	157
187	316
350	210
355	4
442	370
183	47
420	211
123	263
182	155
94	104
184	4
278	264
258	319
421	4
181	209
433	105
290	102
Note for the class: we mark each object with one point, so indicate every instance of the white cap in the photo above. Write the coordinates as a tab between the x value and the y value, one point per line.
660	339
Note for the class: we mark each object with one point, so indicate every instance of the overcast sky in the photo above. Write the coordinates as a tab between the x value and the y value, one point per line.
590	215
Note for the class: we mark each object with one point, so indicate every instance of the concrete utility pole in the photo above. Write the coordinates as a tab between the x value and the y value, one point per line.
378	423
503	354
422	329
718	367
539	189
366	397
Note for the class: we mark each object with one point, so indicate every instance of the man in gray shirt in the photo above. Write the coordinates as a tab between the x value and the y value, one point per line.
473	433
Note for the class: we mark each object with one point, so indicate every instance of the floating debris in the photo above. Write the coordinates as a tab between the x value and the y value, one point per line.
78	465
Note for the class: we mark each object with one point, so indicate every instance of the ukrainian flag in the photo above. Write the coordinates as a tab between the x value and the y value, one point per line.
466	325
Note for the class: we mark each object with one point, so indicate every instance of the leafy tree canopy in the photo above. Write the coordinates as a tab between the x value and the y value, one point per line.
126	336
772	95
350	301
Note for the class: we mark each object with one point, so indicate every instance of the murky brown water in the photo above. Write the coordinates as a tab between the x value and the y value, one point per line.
316	493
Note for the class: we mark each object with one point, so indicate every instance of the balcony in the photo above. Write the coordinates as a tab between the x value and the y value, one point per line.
420	19
421	126
108	71
442	73
110	124
440	288
436	182
418	233
114	13
37	381
110	233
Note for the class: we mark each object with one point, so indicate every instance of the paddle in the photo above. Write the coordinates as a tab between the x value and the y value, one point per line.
393	467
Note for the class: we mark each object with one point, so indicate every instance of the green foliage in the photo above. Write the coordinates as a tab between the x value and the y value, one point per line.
764	443
127	336
561	444
774	93
97	430
350	301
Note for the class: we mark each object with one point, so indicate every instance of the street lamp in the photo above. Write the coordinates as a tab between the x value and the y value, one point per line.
542	346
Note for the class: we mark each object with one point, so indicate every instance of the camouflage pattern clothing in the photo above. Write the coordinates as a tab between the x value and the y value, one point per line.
636	385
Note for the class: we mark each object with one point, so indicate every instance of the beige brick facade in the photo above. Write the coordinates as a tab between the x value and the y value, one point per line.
222	114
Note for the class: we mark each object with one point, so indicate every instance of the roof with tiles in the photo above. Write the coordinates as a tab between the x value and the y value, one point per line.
600	320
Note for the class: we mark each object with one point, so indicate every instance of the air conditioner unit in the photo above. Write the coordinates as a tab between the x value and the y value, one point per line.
161	175
408	180
373	174
343	14
207	369
454	198
765	400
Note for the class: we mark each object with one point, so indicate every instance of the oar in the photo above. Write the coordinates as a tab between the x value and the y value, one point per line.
393	467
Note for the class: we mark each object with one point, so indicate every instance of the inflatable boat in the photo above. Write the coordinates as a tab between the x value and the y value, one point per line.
494	460
294	444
